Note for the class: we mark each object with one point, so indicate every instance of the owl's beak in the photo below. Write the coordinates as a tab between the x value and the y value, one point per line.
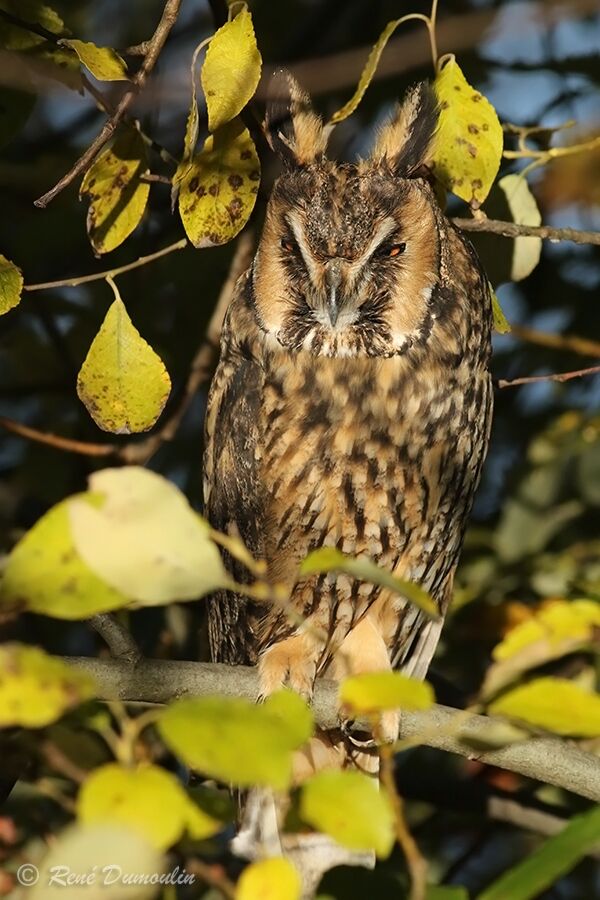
333	277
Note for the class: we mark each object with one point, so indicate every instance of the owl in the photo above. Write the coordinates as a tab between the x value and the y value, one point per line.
352	403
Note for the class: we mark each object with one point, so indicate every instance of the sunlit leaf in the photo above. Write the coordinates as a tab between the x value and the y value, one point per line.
11	285
122	383
109	851
14	38
117	195
367	73
554	622
349	807
501	323
328	559
469	141
144	539
35	688
117	794
374	692
219	190
542	868
269	879
208	734
554	704
231	70
45	575
104	63
191	132
524	211
15	108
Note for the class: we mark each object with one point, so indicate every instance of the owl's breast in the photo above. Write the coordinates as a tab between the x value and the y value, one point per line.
370	457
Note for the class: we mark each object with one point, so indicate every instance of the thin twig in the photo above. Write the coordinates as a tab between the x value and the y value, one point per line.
156	44
60	762
558	376
512	230
415	861
101	276
54	440
120	641
571	342
202	364
212	874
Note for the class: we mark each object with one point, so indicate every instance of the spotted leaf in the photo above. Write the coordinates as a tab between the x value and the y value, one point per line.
11	285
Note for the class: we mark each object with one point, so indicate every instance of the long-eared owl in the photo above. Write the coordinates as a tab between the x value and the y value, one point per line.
352	403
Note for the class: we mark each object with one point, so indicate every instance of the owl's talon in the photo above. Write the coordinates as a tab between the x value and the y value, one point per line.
349	735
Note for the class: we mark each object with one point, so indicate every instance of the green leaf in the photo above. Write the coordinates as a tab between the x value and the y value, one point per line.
545	866
468	147
14	38
36	689
45	575
524	211
115	794
122	383
144	539
501	323
350	808
11	285
218	191
208	733
554	704
328	559
104	63
441	892
231	70
367	73
15	108
104	850
116	193
269	879
374	692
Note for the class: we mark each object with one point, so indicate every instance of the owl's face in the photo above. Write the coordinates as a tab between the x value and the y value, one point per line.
349	253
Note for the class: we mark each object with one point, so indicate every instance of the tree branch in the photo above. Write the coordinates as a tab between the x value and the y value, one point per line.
571	342
155	46
558	376
57	441
546	759
119	640
512	230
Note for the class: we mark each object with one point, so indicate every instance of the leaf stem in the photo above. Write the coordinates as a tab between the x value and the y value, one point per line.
415	861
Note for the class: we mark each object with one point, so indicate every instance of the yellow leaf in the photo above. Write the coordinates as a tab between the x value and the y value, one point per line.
524	211
107	853
191	132
122	383
45	575
553	622
350	808
269	879
554	704
207	733
377	691
219	189
328	559
36	689
116	794
231	70
14	38
468	146
501	323
117	196
367	73
11	285
104	63
144	539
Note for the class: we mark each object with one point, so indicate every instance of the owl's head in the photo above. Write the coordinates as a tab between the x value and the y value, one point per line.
349	255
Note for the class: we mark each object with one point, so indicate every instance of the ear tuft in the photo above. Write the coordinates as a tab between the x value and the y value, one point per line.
292	128
406	141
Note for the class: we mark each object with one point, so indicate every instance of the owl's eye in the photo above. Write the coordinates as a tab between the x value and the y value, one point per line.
392	250
288	245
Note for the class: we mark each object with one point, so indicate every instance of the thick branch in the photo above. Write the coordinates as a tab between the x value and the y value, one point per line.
118	639
545	759
512	230
155	46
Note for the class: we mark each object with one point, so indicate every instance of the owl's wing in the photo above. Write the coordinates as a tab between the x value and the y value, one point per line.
232	493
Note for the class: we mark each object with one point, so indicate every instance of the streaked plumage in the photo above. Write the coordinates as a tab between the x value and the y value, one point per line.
352	403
